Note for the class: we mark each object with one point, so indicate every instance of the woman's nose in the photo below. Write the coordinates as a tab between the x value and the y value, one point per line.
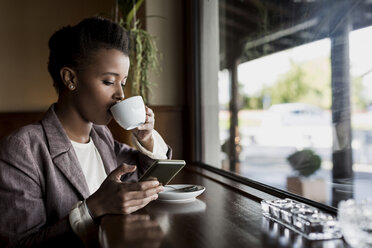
119	93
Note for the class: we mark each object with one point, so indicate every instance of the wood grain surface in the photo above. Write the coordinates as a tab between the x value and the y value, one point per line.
220	217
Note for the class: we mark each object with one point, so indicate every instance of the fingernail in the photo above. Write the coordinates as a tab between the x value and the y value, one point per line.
155	197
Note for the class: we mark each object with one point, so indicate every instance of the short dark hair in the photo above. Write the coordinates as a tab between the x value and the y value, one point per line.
72	46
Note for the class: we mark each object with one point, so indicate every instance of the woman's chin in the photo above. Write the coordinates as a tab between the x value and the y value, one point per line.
103	121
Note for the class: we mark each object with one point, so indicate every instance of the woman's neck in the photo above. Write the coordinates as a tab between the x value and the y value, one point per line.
77	129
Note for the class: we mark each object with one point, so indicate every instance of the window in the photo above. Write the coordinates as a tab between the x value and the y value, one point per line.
286	94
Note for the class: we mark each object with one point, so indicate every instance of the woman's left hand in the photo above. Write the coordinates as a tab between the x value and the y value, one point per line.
143	132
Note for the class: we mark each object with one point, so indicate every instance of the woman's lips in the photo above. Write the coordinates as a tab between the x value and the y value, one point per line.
109	108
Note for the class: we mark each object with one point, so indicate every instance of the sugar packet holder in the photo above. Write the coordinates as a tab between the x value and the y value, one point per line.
301	218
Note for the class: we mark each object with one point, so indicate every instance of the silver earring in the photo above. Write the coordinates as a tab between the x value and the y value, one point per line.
71	86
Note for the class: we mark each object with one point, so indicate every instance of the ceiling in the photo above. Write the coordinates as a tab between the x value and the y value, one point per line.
251	29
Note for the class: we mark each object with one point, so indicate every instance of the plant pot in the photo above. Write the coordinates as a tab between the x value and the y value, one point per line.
311	188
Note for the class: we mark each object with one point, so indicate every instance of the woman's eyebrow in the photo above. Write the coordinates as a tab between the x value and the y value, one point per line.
111	73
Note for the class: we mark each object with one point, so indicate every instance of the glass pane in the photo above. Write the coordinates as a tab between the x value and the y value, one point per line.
295	95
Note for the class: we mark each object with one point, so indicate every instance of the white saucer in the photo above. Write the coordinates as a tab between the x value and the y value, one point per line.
170	193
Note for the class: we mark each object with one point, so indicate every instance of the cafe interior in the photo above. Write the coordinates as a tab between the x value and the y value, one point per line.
268	102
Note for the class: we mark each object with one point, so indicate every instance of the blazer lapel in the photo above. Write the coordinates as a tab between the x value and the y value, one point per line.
62	152
69	166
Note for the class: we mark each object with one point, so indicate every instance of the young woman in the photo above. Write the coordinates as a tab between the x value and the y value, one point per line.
59	175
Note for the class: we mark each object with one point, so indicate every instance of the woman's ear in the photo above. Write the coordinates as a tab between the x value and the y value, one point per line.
68	77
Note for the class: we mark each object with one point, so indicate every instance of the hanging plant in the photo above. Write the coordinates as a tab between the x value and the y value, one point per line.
143	51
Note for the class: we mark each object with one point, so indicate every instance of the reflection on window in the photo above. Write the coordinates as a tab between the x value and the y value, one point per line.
295	95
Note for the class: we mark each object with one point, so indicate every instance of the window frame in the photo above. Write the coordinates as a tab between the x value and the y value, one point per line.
194	18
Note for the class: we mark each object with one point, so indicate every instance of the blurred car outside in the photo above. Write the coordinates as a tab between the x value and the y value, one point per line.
296	125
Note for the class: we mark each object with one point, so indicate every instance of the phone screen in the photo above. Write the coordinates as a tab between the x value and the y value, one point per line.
163	170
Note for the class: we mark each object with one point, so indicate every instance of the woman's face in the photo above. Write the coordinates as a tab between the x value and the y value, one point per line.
100	85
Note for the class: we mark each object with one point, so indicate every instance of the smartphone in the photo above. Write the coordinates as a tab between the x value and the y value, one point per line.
163	170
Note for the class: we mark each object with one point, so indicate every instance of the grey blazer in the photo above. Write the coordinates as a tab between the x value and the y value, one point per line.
41	179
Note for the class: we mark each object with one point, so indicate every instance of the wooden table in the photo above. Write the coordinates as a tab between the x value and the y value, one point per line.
227	214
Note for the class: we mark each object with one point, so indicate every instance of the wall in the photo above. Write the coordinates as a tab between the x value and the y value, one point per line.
165	20
25	28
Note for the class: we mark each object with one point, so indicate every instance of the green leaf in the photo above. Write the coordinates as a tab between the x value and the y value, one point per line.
132	12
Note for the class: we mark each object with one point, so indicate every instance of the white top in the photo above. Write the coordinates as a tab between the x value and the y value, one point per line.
92	166
91	163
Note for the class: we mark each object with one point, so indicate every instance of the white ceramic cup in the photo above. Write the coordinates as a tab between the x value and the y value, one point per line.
129	113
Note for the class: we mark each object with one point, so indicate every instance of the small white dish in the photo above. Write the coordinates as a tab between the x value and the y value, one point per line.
172	193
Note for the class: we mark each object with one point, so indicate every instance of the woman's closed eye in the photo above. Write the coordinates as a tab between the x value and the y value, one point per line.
106	82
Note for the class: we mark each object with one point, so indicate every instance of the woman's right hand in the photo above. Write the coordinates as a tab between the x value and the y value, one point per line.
117	197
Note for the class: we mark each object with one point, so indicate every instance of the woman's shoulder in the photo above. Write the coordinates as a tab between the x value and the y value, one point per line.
30	133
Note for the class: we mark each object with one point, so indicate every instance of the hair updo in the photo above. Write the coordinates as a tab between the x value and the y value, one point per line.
72	46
